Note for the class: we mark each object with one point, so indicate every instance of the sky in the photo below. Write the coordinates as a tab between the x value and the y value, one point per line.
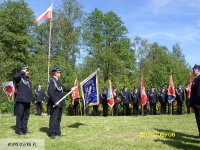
166	22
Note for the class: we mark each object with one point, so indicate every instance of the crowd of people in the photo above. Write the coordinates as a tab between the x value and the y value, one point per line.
56	91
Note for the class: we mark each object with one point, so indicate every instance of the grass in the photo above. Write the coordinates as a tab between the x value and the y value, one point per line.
107	133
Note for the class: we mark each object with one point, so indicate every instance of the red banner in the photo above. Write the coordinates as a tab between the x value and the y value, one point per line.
143	96
75	93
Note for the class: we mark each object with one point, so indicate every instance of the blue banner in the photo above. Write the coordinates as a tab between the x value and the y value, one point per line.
90	91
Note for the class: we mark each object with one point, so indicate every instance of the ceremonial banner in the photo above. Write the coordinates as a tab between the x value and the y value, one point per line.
189	90
110	95
9	89
75	93
171	91
90	91
45	15
142	95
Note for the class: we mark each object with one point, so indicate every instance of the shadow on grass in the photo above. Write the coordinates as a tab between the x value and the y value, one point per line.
13	127
179	141
45	130
75	125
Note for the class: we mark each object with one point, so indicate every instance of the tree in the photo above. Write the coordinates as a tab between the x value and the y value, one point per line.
108	47
16	23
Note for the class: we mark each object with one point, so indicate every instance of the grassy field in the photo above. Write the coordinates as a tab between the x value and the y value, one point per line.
117	133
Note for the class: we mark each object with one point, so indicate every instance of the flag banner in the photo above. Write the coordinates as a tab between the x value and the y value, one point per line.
190	82
110	95
90	91
171	91
45	15
75	93
142	94
8	88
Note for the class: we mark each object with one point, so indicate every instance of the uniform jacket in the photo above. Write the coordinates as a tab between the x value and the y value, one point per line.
115	96
46	97
103	98
126	97
186	95
56	92
162	97
24	88
134	97
179	94
152	97
39	95
195	92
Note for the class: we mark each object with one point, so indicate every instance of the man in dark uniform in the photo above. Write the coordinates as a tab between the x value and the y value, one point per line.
104	101
23	100
179	98
55	92
39	98
162	96
47	103
126	99
116	101
152	96
135	101
75	106
195	96
187	97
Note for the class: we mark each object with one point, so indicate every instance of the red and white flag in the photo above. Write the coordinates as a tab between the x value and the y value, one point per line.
9	89
143	96
110	97
75	93
45	15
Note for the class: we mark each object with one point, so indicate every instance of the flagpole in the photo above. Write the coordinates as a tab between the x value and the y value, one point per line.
142	110
49	50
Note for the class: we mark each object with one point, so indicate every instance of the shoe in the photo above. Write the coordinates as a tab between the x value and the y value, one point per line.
27	132
20	133
52	136
60	135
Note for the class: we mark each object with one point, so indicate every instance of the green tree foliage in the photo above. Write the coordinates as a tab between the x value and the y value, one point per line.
108	47
159	63
16	23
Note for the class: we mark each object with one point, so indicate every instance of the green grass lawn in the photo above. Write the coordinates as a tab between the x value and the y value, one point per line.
117	133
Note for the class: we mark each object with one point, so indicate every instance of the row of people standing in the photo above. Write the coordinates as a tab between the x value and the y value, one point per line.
153	97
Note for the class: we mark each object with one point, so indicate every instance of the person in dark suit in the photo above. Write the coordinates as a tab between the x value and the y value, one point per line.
75	106
23	100
153	99
116	101
95	110
104	101
126	99
187	97
39	98
195	96
162	97
47	103
179	98
56	92
135	101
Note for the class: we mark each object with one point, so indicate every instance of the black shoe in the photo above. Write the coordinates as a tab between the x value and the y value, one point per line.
20	133
60	135
27	132
52	136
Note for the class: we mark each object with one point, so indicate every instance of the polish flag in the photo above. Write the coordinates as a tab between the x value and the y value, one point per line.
45	15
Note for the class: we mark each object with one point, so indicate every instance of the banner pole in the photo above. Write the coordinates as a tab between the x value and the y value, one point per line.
142	110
